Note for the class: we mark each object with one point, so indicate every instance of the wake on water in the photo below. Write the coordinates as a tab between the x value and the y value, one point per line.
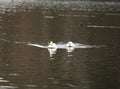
63	45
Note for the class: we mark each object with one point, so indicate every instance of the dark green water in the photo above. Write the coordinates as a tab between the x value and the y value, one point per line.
85	22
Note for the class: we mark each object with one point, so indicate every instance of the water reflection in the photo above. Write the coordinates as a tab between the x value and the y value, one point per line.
61	45
3	81
70	49
8	87
52	51
96	26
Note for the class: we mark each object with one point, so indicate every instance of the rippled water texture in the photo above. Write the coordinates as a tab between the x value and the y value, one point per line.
26	28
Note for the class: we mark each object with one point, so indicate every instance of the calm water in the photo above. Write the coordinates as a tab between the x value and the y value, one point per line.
94	24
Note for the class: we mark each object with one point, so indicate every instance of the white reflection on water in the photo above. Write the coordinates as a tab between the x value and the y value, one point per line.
13	74
61	45
31	86
52	51
70	49
49	17
70	85
37	45
8	87
1	81
1	78
98	26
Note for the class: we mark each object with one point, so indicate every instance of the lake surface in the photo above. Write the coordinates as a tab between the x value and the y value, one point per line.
26	28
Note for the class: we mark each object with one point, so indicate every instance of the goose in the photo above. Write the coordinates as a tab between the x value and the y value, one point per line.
70	44
52	45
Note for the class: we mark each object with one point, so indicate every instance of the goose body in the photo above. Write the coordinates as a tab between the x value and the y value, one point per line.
52	45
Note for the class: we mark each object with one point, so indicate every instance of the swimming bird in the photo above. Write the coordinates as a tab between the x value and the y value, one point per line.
52	45
70	44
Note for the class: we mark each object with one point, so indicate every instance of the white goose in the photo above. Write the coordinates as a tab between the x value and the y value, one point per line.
70	44
52	45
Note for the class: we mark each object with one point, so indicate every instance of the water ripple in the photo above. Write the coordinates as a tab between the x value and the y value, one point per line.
63	46
8	87
60	45
4	81
49	17
14	74
98	26
8	5
32	86
70	85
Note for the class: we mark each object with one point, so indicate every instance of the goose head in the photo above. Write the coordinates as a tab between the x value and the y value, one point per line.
70	44
52	45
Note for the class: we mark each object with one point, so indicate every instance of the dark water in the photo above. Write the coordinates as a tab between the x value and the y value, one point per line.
86	22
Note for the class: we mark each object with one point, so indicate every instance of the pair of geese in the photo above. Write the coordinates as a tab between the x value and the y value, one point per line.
52	45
